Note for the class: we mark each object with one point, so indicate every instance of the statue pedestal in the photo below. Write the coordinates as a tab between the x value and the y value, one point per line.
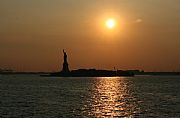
65	68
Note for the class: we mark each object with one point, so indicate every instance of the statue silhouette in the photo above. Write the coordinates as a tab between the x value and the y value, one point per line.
65	56
65	64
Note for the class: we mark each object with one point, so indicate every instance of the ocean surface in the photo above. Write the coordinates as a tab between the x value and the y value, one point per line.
32	96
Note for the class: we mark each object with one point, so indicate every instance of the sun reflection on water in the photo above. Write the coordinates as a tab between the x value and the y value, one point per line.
110	97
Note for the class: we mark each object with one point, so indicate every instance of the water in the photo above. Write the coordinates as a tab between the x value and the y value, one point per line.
31	96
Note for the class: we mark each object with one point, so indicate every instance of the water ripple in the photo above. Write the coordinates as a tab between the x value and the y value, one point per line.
37	97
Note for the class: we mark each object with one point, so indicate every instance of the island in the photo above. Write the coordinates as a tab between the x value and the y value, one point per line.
65	72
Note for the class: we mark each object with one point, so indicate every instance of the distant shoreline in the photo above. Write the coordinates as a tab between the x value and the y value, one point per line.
158	73
135	73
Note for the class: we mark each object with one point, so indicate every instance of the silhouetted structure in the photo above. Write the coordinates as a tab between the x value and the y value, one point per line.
88	72
65	68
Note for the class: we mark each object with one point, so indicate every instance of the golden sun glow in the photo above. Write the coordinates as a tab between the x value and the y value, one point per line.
110	23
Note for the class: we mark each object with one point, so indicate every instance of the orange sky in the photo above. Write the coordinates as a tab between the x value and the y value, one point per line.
33	34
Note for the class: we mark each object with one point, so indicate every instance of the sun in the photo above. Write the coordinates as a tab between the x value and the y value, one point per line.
110	23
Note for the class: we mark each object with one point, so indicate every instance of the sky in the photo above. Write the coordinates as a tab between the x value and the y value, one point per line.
33	34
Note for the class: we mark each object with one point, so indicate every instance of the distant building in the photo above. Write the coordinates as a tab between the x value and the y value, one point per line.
6	71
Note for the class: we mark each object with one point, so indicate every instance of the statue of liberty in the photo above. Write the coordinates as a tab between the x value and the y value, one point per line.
65	64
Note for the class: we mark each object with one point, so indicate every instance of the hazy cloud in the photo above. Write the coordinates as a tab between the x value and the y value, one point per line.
139	20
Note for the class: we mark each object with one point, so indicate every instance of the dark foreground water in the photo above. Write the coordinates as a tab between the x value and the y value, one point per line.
31	96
